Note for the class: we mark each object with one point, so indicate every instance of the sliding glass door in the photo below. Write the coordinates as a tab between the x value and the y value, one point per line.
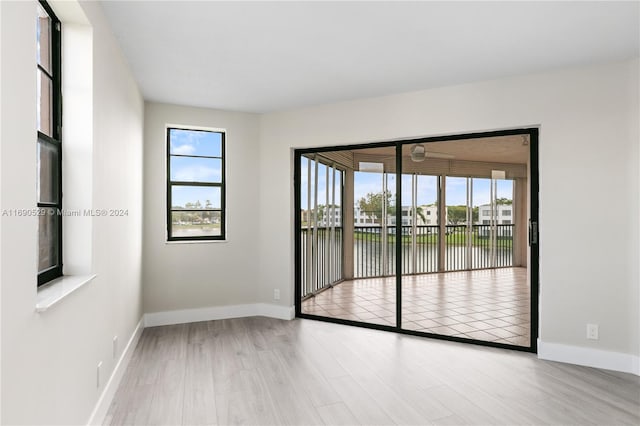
424	237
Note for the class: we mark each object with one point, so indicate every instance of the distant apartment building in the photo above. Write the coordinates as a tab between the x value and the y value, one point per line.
503	214
364	218
430	214
330	216
425	215
326	216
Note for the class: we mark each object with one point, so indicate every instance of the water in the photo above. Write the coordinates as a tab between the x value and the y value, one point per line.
368	258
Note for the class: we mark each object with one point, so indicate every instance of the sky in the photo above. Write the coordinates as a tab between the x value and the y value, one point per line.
427	187
187	149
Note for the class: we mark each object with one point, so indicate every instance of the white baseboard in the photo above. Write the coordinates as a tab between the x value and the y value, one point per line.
218	312
607	360
102	406
178	317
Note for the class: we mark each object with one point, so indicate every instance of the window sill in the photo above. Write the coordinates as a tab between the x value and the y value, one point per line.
195	242
60	288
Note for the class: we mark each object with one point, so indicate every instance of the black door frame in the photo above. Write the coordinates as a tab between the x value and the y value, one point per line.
534	238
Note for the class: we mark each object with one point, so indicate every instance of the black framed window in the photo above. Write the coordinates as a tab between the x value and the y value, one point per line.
195	184
49	144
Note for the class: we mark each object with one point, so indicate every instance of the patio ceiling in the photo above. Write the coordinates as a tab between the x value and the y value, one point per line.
511	149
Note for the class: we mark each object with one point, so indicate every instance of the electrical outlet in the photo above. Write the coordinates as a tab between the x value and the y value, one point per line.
98	374
276	294
115	347
592	332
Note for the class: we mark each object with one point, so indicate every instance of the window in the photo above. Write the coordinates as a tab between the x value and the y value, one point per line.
195	185
506	222
486	212
49	144
506	212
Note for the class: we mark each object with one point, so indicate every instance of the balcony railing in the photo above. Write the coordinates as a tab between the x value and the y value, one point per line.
317	271
373	259
370	261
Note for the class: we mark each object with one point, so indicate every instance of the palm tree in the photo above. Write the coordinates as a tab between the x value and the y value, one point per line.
420	213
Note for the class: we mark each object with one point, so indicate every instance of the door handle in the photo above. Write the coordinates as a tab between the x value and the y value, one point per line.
533	232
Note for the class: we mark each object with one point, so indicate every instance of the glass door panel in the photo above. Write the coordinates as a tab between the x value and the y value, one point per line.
347	203
456	247
420	247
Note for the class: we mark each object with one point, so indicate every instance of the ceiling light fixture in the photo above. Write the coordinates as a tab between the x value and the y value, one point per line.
418	153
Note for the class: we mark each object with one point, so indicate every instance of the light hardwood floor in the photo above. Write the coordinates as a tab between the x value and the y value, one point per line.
264	371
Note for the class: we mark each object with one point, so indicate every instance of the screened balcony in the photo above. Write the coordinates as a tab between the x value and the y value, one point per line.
443	241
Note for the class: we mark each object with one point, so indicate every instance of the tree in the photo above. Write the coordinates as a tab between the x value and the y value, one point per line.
208	214
456	214
372	204
504	201
420	213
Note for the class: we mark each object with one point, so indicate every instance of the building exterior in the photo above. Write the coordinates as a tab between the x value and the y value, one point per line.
426	215
503	214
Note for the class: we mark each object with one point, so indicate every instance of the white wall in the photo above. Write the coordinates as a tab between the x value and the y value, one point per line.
588	154
589	139
181	276
49	359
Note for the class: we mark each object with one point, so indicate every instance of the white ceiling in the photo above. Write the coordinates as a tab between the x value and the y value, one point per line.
269	56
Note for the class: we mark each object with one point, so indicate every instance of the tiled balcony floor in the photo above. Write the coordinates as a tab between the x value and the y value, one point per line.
489	305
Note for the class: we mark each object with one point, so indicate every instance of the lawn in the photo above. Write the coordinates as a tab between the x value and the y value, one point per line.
452	239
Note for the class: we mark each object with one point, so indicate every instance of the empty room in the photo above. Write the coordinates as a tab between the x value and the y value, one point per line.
338	213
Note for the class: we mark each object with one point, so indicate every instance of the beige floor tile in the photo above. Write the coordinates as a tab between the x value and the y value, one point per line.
490	305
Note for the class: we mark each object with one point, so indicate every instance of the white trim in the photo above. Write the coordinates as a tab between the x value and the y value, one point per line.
58	289
218	312
598	358
195	241
102	406
192	127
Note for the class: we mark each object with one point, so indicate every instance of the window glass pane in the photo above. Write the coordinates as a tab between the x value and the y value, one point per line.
195	197
47	239
44	39
48	173
45	111
193	142
195	169
195	224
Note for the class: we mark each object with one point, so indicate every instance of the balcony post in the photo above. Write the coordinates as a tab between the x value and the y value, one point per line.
414	222
347	223
520	220
442	223
309	262
469	229
383	228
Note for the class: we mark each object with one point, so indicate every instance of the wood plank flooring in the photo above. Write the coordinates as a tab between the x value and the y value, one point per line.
263	371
